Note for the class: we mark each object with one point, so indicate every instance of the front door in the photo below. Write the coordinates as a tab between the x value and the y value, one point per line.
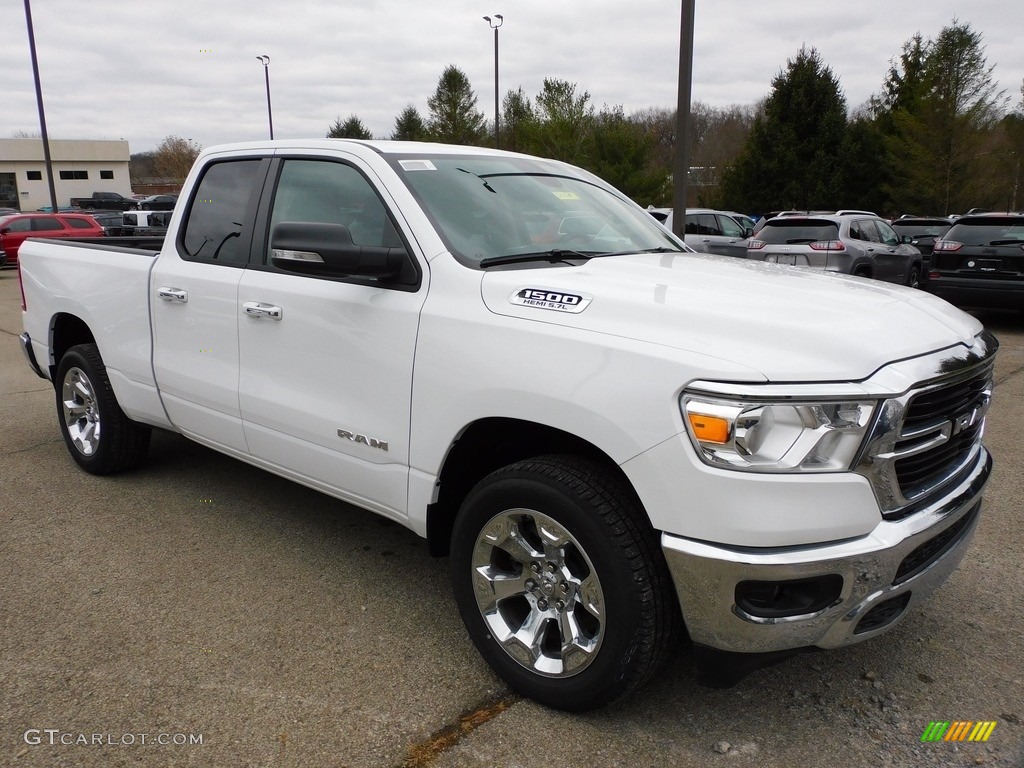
326	363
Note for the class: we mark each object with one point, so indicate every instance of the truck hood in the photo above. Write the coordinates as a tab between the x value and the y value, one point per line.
786	324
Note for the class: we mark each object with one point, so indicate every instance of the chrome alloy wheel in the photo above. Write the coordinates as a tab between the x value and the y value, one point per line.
538	593
81	412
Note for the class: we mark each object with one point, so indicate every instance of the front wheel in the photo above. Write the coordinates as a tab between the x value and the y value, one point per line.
100	438
914	278
561	583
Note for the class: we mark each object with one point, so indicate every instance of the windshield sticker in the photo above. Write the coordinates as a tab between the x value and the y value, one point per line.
542	298
417	165
563	195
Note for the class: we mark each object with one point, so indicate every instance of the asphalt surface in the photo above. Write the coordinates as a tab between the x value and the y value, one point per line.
200	599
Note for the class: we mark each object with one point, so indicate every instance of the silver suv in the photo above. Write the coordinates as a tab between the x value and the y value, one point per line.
855	244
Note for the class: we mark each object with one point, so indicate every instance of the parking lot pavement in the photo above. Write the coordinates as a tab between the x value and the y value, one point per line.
199	599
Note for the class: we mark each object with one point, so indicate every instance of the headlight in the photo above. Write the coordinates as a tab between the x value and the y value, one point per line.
785	436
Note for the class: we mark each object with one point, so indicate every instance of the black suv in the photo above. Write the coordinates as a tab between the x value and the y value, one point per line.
979	262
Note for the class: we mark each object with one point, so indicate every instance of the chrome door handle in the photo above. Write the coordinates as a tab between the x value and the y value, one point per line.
259	309
172	294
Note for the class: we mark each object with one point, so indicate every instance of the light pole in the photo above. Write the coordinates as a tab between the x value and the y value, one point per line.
39	103
265	60
500	19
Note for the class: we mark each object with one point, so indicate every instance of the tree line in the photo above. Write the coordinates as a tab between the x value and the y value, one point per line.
938	138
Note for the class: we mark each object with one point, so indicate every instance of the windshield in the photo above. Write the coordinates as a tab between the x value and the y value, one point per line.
486	207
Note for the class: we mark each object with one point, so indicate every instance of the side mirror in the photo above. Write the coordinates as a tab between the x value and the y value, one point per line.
5	230
327	250
748	231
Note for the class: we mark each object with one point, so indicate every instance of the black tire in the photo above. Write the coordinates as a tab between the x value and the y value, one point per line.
914	278
100	438
602	579
146	206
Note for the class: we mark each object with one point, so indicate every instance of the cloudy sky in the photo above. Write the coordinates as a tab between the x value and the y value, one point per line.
147	69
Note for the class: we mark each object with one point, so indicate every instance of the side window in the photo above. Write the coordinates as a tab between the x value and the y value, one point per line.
887	233
691	224
855	233
20	225
213	229
46	224
707	224
78	223
332	193
729	227
869	231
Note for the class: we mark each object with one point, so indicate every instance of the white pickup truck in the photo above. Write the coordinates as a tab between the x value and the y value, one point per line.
618	441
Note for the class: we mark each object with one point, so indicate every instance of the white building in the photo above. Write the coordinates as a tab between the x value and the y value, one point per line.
79	169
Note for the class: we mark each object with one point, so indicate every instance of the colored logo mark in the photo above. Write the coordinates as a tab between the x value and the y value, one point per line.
958	730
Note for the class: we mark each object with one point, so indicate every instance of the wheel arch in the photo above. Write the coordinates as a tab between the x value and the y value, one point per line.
66	330
489	444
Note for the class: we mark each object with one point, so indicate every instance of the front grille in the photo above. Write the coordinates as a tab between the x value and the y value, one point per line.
882	614
927	440
926	554
950	405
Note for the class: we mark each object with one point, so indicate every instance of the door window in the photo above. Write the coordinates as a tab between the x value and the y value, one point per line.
730	228
46	224
887	234
707	224
333	193
213	229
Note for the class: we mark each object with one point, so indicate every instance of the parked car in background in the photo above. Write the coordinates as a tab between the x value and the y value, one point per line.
860	245
158	202
110	201
709	231
145	222
111	221
979	262
743	220
15	229
923	231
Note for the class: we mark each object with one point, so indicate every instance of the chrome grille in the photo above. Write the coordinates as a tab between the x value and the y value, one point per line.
927	438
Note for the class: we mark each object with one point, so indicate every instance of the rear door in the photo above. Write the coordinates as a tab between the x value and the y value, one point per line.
326	362
194	301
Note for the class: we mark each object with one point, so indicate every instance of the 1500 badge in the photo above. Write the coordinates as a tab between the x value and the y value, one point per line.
542	298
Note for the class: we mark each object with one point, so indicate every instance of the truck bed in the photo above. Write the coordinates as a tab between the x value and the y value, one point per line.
107	287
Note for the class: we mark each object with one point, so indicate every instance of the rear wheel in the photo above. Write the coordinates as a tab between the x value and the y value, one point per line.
561	583
100	438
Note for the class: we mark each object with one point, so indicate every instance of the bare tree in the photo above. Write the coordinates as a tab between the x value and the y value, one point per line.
174	157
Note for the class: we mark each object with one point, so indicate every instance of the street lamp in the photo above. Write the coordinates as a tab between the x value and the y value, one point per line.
500	19
265	60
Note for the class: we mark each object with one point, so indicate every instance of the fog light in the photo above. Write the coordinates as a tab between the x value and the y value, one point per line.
796	597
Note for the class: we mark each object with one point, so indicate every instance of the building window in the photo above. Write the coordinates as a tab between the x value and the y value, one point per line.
106	174
68	175
34	175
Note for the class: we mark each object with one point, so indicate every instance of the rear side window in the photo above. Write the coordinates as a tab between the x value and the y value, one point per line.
213	229
78	223
798	231
987	232
46	224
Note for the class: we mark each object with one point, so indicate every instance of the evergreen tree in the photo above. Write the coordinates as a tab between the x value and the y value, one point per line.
940	124
409	126
564	122
517	118
792	157
622	154
454	118
352	128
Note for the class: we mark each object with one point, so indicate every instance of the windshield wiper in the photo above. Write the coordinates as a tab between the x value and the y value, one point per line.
659	249
555	255
1006	242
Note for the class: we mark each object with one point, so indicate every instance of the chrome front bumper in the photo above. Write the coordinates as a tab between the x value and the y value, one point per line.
706	576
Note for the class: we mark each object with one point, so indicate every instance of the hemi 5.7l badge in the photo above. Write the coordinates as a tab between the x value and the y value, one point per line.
542	298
